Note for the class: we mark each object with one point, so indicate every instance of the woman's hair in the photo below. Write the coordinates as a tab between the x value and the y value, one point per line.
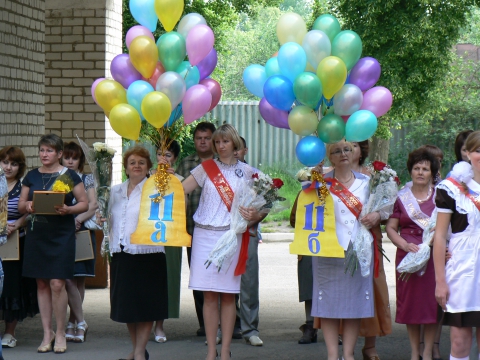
434	150
73	150
229	132
174	147
473	141
139	151
459	142
330	146
420	155
14	153
364	149
52	140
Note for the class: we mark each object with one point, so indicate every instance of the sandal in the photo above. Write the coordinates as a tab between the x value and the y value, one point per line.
438	344
83	327
369	357
70	337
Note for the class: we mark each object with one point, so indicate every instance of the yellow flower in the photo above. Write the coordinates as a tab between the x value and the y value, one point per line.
60	186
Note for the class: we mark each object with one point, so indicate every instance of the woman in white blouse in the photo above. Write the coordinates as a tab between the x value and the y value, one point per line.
138	273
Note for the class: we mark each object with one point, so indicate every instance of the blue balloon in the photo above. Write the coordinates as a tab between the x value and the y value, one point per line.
292	60
310	150
361	125
271	67
190	73
174	116
254	78
144	12
278	91
136	92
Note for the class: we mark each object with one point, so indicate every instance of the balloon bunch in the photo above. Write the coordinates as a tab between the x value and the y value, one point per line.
318	86
155	82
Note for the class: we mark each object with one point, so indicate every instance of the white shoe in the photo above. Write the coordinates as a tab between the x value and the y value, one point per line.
255	341
160	339
9	341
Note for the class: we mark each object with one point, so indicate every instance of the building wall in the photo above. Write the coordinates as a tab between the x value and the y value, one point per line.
22	75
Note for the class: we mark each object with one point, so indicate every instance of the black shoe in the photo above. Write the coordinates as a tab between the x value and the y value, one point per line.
147	355
309	334
201	331
237	333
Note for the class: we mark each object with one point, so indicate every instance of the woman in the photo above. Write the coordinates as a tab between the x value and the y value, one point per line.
50	240
457	290
460	150
173	256
212	219
74	159
19	297
411	214
336	293
138	273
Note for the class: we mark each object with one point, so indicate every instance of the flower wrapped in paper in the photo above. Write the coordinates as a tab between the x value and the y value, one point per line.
3	207
63	184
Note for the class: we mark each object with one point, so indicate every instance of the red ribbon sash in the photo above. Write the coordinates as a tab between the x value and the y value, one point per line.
350	200
474	199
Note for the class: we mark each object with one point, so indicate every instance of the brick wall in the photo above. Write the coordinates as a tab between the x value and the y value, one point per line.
22	89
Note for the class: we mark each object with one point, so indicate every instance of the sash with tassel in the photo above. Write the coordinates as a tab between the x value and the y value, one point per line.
473	196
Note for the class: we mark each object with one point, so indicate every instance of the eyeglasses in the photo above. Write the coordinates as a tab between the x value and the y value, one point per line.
340	152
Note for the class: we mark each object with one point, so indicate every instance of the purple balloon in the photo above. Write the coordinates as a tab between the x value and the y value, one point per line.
273	116
199	43
365	73
94	86
378	100
137	30
207	65
123	71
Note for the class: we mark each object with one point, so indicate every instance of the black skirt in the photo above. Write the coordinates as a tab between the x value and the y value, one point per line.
138	287
465	319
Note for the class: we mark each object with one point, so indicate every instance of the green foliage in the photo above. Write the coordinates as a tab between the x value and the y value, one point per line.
470	32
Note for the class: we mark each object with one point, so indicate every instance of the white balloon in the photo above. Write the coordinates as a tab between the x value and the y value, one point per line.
188	22
173	85
348	100
317	46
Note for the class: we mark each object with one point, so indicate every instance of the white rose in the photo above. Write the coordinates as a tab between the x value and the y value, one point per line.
99	146
111	150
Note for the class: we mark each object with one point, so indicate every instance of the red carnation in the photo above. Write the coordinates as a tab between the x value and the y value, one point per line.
397	180
277	183
378	165
255	176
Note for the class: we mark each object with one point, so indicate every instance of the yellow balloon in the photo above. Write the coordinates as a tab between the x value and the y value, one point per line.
169	12
302	120
156	108
332	73
144	55
291	27
110	93
125	121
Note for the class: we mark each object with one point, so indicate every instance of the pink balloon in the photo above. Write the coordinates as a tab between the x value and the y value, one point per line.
159	70
345	118
196	102
94	86
378	100
215	89
199	43
137	30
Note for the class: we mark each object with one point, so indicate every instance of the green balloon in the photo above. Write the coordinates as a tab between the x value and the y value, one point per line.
328	24
307	88
171	50
331	129
347	45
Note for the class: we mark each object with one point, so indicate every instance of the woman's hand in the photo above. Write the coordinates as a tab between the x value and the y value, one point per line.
78	224
448	255
371	220
442	293
11	228
162	160
29	207
62	210
409	247
250	214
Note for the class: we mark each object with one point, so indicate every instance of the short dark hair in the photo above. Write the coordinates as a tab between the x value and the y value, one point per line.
244	142
174	147
364	149
74	150
420	155
459	142
204	126
52	140
139	151
435	150
14	153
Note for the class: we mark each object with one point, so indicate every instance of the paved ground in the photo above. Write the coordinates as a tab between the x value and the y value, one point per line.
280	316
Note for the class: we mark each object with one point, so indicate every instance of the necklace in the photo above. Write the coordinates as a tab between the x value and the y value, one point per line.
420	201
43	181
345	182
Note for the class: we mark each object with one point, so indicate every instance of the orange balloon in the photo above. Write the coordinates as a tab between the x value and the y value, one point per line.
275	54
144	55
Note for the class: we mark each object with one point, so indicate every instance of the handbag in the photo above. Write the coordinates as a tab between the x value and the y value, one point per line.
91	224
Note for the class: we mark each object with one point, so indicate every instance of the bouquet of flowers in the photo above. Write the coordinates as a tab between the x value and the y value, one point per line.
383	193
63	184
3	207
261	193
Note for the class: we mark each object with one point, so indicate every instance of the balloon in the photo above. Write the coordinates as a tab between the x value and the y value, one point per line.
207	65
215	89
291	60
328	24
189	73
125	121
348	100
144	55
308	89
188	22
156	108
254	78
172	85
110	93
199	43
273	116
136	92
331	129
365	73
310	150
159	70
332	72
271	67
347	45
168	12
378	100
196	102
302	120
310	68
171	50
123	71
291	27
317	47
278	92
361	126
138	30
174	116
94	86
143	12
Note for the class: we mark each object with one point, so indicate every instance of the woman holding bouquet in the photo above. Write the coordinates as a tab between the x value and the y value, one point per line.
457	290
50	239
411	215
